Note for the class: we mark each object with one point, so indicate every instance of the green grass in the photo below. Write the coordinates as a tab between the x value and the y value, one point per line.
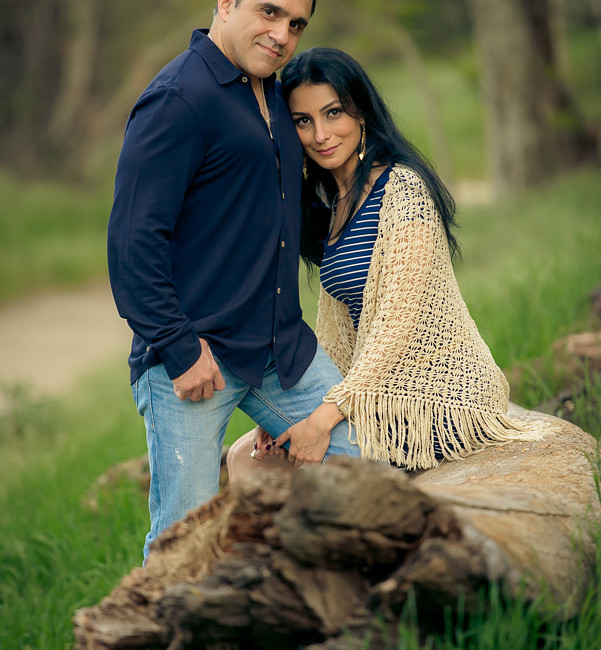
529	265
50	235
538	256
57	554
585	72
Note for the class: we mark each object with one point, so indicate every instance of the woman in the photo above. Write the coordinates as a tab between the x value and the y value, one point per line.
419	382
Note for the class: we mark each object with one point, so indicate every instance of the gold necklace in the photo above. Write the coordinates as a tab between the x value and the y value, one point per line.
265	108
335	201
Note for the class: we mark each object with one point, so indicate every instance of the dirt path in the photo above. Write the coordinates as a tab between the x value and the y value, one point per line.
51	340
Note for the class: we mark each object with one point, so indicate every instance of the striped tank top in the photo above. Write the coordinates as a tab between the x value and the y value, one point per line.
345	263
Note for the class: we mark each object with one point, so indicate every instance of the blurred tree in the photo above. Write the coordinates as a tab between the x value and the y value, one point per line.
367	29
71	70
595	6
78	66
64	61
75	67
534	125
31	32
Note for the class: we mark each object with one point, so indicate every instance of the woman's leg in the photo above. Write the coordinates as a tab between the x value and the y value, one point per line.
240	462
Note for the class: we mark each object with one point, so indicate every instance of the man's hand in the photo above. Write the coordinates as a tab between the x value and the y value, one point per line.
199	381
310	438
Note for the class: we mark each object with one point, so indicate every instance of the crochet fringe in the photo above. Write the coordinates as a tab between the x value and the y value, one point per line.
400	429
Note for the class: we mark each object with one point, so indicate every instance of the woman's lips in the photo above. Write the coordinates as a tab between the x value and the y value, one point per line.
327	152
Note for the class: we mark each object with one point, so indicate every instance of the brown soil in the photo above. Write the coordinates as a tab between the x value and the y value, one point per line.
50	341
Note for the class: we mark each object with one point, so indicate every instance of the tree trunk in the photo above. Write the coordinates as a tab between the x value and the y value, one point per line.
29	59
534	128
79	65
595	6
285	560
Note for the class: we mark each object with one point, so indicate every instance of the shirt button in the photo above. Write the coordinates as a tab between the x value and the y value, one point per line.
274	339
283	195
283	244
279	290
244	80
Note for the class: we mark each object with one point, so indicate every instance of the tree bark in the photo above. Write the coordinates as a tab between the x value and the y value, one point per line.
534	127
282	561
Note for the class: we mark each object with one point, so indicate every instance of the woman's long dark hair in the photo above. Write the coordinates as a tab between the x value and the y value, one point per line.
385	145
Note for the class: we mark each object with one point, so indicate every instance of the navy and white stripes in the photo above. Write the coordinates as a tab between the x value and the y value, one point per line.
346	262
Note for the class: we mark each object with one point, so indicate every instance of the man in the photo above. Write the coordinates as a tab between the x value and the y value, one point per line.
203	256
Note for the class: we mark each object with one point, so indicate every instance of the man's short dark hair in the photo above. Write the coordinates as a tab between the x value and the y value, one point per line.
312	5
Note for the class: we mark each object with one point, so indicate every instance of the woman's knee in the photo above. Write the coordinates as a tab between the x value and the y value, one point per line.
239	456
240	461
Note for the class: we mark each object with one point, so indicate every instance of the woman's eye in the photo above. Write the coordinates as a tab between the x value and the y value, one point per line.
301	121
335	112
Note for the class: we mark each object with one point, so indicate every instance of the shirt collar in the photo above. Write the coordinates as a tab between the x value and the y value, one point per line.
222	68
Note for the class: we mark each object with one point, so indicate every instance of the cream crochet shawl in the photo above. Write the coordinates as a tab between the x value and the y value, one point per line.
417	363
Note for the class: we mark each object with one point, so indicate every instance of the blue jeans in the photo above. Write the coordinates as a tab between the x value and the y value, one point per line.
185	438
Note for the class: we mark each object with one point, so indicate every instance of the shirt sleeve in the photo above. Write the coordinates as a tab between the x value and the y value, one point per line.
162	149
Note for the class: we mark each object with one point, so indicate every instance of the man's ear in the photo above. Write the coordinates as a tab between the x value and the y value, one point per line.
224	7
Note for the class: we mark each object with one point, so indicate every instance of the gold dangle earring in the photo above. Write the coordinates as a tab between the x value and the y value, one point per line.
363	143
305	170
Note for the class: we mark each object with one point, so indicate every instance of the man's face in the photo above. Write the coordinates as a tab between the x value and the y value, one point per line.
260	37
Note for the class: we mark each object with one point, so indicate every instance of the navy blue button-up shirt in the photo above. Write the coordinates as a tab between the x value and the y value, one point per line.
203	237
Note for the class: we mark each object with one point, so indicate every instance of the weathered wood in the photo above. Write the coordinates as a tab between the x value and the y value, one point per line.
283	560
529	507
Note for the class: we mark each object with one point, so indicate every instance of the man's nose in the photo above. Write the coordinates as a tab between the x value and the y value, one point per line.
279	32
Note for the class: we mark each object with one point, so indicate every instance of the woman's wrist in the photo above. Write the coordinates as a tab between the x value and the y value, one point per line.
328	415
344	408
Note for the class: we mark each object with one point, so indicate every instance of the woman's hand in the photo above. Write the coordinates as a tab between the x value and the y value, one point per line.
310	438
264	445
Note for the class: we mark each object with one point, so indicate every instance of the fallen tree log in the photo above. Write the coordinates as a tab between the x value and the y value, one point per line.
285	560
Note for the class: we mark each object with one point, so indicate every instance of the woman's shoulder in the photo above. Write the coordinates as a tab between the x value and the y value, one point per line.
406	184
407	198
405	176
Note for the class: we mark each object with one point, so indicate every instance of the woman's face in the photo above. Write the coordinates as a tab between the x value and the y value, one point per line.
329	135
